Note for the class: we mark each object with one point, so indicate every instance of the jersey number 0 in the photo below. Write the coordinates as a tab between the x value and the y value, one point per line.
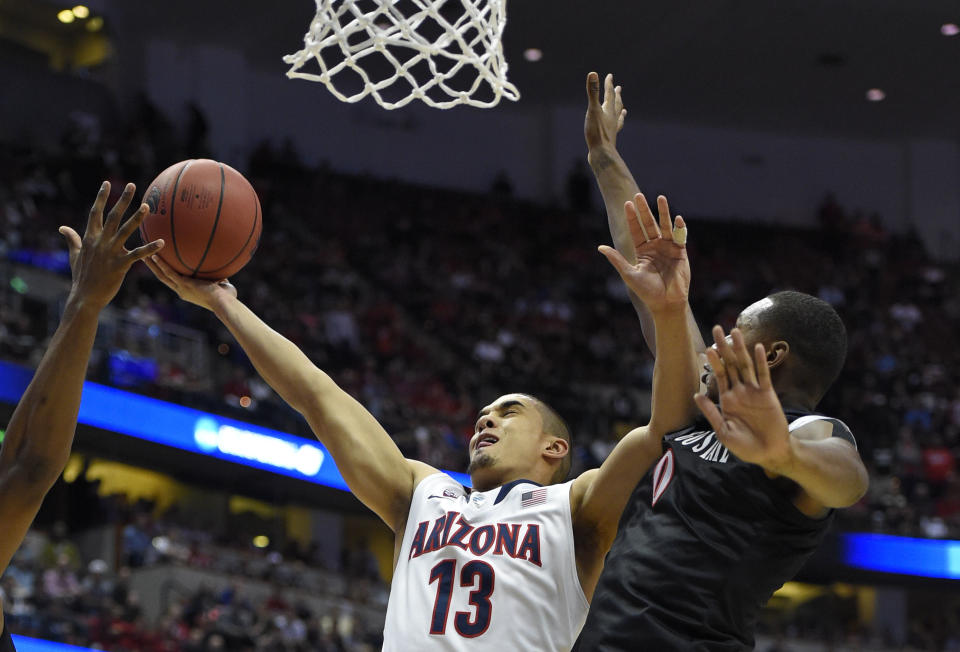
473	573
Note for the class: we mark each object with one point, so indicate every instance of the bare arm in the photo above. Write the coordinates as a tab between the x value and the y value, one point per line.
372	465
661	277
617	186
827	468
40	433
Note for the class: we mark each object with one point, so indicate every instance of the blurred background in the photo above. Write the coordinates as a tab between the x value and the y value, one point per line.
433	260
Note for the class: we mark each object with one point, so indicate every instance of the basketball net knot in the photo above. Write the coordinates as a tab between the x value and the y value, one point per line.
443	52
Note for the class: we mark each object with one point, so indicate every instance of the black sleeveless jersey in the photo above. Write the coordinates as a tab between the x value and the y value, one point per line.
702	545
6	641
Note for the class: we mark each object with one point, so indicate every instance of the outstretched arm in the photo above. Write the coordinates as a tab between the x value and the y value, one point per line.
661	277
617	186
751	424
38	439
371	463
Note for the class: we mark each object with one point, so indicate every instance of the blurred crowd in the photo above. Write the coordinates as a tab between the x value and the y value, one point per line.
426	304
245	598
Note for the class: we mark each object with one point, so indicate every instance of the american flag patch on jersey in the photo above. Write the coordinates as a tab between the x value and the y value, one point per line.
535	497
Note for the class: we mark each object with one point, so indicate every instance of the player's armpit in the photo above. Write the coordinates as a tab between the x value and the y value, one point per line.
367	457
598	497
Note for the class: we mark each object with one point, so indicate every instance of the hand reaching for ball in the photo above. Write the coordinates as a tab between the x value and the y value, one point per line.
197	291
209	216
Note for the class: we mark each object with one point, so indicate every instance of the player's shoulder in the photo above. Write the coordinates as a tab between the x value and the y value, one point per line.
420	470
423	473
811	426
580	485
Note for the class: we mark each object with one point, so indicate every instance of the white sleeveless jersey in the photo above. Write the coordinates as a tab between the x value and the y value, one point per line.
491	570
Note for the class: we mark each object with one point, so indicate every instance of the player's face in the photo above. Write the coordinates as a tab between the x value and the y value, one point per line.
749	324
506	439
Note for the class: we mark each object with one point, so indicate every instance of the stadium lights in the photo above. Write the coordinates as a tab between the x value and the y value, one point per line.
949	29
261	541
876	95
903	555
533	54
66	16
81	11
95	24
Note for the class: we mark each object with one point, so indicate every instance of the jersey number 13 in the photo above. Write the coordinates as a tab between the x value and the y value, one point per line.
478	574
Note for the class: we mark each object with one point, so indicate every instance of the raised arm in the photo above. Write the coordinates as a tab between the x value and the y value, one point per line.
372	465
617	185
40	433
661	277
751	424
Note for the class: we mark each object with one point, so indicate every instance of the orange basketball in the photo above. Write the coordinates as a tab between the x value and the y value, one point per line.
208	215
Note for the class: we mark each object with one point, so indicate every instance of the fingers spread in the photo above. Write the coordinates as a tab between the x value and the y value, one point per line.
663	210
133	223
744	360
727	354
731	436
116	213
679	232
73	239
719	369
710	411
618	261
647	222
593	90
146	250
763	369
637	232
95	220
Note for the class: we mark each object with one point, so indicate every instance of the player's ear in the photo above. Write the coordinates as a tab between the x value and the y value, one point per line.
557	448
777	353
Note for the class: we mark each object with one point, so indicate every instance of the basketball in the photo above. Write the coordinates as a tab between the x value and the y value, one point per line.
208	215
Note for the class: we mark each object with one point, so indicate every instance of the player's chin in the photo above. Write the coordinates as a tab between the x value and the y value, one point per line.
480	460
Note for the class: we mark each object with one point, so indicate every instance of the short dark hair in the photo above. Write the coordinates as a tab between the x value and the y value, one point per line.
815	333
554	424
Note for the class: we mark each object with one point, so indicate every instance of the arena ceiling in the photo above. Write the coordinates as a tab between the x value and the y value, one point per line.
785	65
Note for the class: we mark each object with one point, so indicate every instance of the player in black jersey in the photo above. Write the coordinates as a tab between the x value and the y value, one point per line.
737	502
38	439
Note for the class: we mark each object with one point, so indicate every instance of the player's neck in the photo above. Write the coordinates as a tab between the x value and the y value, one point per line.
487	483
794	400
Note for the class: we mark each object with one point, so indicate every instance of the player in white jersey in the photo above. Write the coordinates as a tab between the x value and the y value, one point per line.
512	564
497	564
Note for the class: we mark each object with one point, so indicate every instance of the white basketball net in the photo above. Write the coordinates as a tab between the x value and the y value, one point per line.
446	63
